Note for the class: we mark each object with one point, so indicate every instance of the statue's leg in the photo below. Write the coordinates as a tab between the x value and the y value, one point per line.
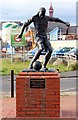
37	54
48	55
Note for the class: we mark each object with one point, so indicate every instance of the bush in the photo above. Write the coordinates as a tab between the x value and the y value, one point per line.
73	66
60	61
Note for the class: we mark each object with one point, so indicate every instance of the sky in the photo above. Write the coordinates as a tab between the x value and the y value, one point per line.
21	10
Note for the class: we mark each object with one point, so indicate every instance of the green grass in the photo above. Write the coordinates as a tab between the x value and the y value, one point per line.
17	66
60	67
7	66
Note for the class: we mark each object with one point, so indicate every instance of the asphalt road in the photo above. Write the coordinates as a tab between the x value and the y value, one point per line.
66	84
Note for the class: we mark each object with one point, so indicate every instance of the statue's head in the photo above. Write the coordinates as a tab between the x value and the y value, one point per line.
42	12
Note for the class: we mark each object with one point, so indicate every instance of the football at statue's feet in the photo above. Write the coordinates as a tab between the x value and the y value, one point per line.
37	65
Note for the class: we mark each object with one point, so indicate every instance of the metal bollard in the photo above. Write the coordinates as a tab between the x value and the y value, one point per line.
12	83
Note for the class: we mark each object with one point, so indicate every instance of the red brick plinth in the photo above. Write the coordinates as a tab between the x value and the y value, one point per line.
38	102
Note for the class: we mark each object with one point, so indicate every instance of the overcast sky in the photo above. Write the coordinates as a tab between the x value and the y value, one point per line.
24	9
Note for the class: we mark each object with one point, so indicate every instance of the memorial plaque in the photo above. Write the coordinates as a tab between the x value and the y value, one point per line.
37	83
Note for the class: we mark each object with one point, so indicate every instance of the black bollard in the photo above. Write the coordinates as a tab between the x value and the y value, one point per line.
77	57
12	83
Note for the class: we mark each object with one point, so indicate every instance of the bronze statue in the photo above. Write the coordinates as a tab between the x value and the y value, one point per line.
40	21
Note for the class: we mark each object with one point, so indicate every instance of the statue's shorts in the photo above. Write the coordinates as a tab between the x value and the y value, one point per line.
43	43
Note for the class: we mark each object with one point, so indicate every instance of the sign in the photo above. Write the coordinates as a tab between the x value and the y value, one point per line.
17	42
6	31
37	83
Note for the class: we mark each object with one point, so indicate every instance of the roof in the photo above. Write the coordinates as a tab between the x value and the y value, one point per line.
52	25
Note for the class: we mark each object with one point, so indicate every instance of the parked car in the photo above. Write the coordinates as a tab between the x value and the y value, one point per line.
32	52
62	51
73	52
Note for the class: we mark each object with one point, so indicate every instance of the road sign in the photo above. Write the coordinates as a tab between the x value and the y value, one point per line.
17	42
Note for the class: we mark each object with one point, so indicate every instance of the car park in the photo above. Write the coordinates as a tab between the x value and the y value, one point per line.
73	52
62	51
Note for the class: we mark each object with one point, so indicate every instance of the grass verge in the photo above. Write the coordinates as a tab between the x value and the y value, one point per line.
7	66
18	66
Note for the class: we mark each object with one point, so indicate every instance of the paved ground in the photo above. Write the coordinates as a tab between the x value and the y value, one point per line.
67	104
69	74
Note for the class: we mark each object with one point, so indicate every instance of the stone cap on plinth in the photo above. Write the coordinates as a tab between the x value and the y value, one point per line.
47	74
41	70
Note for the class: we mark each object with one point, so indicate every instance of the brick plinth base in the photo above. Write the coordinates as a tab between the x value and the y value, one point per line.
38	102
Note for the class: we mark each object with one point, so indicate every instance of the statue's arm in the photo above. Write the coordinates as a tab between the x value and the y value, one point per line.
53	19
26	24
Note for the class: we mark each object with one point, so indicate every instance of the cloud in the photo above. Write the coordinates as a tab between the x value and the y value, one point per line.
24	9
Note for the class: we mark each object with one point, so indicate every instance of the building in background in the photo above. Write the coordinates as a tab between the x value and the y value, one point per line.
72	32
51	10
